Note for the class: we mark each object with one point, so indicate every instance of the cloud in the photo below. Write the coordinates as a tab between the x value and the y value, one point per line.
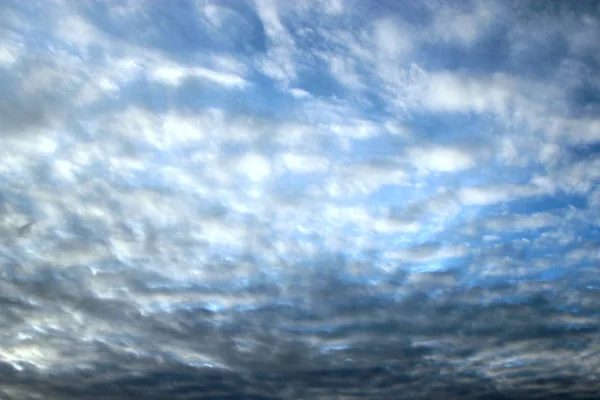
343	70
364	178
442	205
174	75
428	252
280	200
305	163
10	52
579	176
391	39
299	93
279	61
518	223
441	159
334	7
40	94
464	27
493	194
450	92
255	167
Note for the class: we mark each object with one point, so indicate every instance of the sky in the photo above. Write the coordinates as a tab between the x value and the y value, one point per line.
327	199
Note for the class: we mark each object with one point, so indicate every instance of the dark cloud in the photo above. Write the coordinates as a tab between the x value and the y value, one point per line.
449	345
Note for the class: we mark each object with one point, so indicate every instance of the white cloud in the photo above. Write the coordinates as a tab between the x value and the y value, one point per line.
333	7
576	131
594	199
560	238
279	62
164	132
254	166
391	39
356	129
441	159
451	92
121	69
299	93
76	30
363	179
490	238
579	177
389	226
305	163
176	74
228	63
213	13
359	218
583	254
10	52
484	196
344	71
452	24
492	194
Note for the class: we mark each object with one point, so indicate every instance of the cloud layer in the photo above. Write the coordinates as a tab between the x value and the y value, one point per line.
273	200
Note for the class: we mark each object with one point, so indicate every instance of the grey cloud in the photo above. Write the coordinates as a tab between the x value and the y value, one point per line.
429	251
441	205
579	176
149	354
425	321
36	97
492	194
519	223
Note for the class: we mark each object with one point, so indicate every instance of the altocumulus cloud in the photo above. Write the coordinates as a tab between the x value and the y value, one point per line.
299	200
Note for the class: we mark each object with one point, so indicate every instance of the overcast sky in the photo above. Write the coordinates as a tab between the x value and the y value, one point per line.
271	199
